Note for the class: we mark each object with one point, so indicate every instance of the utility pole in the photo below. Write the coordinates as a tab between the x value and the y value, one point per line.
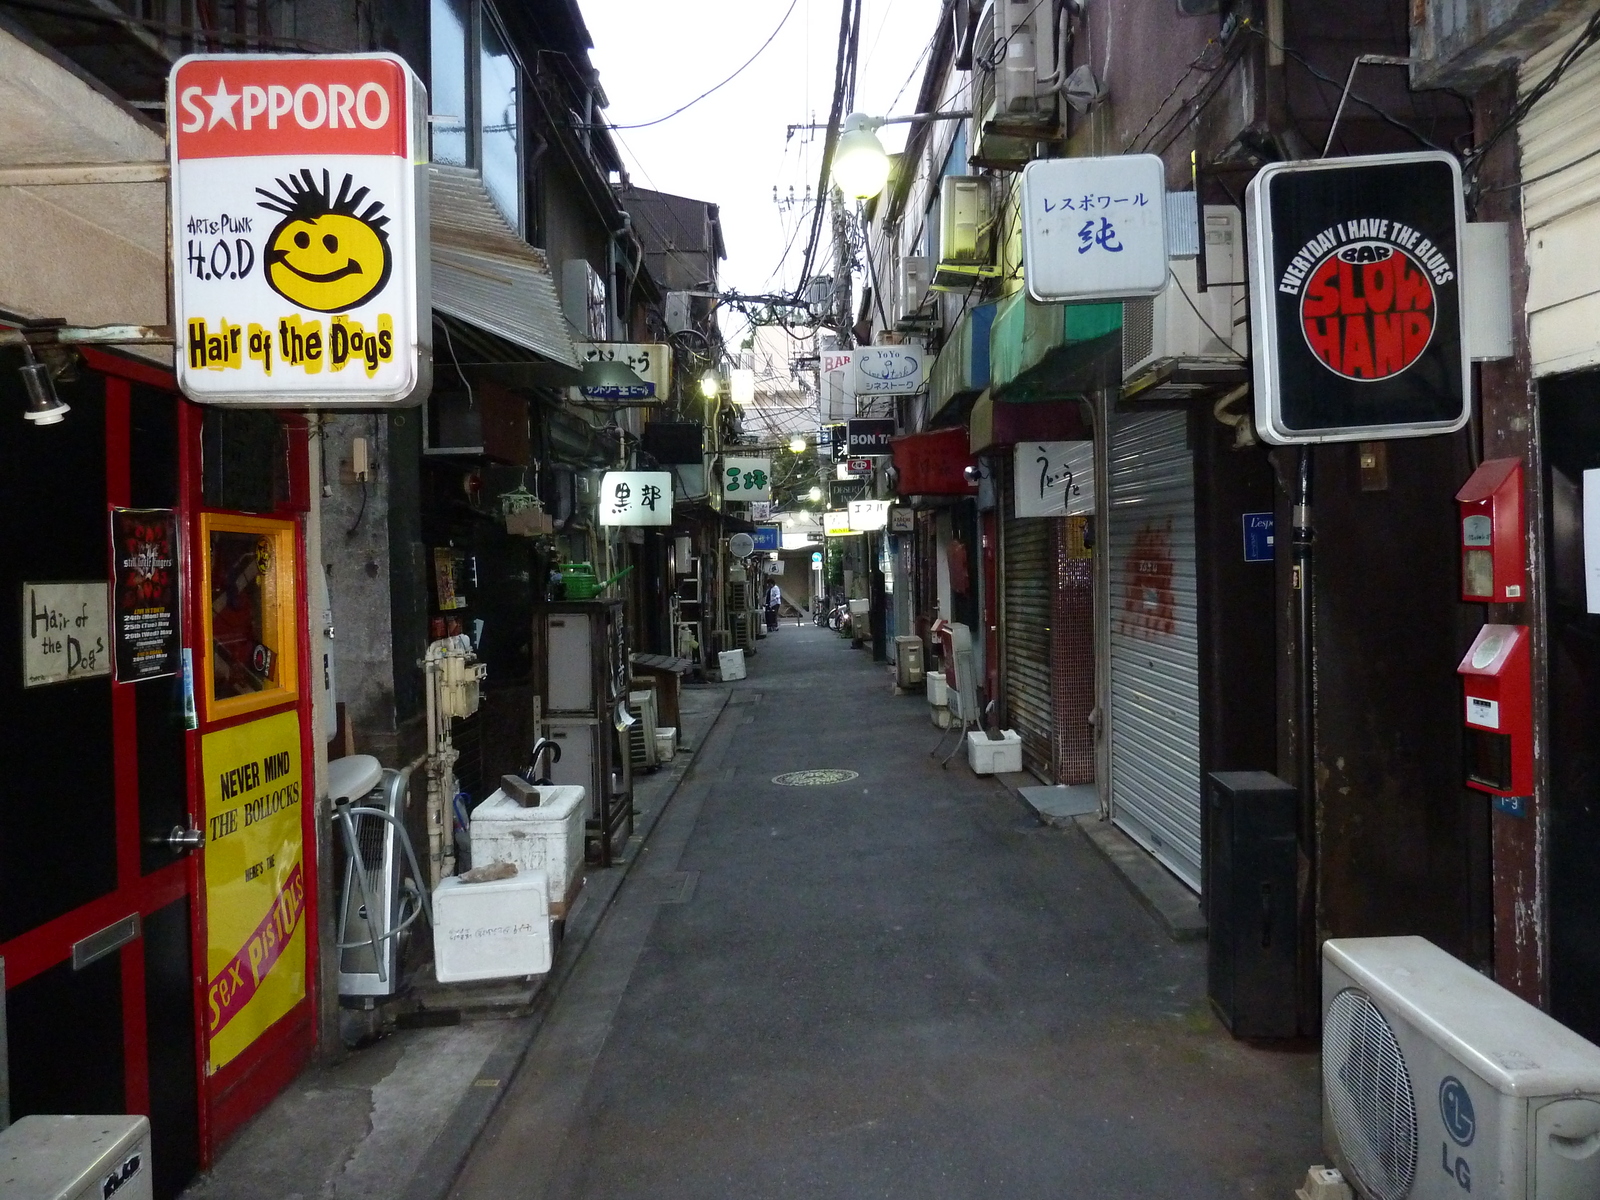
842	280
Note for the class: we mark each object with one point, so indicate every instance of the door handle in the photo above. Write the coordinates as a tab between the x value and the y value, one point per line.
181	840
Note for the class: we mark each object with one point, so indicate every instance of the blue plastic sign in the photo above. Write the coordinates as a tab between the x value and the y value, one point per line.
1259	531
816	558
768	537
1094	228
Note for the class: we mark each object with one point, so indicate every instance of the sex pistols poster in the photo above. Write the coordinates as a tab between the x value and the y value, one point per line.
1356	297
255	881
144	547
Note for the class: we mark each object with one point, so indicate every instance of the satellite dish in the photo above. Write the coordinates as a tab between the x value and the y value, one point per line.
742	545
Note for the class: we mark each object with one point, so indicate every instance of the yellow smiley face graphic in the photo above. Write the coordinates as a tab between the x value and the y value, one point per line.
327	254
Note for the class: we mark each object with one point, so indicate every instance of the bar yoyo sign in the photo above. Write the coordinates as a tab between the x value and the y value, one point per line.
299	230
1356	298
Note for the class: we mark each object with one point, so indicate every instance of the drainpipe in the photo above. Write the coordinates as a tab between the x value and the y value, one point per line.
1309	992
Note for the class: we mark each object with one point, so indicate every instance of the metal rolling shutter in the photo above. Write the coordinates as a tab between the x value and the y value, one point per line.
1155	687
1029	569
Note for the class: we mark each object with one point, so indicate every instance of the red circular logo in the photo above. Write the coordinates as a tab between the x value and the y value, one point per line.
1368	311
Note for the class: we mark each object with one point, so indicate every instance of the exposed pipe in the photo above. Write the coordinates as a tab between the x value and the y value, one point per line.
1243	434
1304	537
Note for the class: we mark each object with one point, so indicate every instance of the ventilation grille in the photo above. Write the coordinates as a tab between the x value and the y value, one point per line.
1369	1093
1138	332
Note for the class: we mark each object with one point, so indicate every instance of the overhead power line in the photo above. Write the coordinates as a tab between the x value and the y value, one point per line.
793	4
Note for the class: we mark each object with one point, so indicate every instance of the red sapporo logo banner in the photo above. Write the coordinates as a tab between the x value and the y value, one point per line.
234	986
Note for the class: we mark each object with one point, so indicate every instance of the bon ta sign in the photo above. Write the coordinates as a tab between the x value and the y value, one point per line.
300	261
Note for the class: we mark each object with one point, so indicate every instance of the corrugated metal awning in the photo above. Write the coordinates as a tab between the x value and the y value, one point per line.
90	253
485	274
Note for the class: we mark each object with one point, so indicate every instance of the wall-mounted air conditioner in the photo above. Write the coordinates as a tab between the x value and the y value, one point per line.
678	311
1016	79
966	231
1438	1084
1182	323
916	275
583	300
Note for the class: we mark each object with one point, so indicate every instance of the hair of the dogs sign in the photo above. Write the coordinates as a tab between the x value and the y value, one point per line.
1356	298
300	263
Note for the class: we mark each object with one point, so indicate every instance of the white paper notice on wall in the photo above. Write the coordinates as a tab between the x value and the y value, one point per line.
64	632
1591	538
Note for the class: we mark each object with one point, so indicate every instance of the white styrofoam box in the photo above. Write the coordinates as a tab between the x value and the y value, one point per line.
941	716
994	758
76	1158
938	689
666	742
495	930
548	838
731	664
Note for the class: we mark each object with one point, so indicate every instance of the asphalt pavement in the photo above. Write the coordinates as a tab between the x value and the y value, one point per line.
899	983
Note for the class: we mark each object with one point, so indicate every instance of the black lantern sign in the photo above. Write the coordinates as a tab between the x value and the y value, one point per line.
1355	281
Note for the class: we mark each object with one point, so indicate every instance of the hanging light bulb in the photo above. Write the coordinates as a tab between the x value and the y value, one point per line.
797	445
860	165
814	494
710	385
44	406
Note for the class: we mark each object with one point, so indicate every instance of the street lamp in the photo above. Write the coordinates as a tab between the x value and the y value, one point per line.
860	165
814	494
710	385
797	445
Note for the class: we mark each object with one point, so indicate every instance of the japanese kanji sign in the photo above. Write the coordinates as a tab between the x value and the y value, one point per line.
299	270
1054	479
747	478
651	362
636	498
1094	228
1355	302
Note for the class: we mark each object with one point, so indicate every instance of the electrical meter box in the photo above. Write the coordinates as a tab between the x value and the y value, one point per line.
1494	559
1497	683
76	1158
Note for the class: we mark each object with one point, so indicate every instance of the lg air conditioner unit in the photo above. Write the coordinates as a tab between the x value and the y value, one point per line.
1438	1083
1183	326
966	232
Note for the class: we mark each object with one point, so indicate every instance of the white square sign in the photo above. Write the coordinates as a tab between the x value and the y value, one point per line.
636	498
746	478
300	260
890	370
1094	228
1054	479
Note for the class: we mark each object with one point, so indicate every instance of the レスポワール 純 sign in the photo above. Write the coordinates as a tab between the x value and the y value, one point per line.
1356	298
299	230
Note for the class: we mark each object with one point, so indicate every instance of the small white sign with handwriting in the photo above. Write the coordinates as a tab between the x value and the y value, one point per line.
65	632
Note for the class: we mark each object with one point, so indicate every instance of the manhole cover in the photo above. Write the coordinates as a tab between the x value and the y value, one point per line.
814	778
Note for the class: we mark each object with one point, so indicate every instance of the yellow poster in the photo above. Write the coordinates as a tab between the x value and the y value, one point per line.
255	881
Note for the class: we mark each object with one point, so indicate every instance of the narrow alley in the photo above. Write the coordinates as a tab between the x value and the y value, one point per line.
899	984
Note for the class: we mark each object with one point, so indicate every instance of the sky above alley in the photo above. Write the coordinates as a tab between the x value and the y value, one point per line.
655	55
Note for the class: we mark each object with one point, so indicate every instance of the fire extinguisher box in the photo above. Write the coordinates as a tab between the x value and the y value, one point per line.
1494	560
1497	684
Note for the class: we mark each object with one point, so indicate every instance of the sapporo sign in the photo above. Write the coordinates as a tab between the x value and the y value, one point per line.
255	881
1355	270
299	230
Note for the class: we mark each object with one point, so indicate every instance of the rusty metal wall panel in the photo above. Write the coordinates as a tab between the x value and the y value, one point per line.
1155	676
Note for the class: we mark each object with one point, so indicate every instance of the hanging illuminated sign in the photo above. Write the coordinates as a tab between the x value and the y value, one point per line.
1355	276
836	524
299	267
1094	228
890	370
651	362
636	498
868	516
746	478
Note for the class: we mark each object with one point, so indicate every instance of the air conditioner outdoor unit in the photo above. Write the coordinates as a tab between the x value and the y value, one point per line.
1183	323
1438	1083
678	312
1016	80
915	277
966	231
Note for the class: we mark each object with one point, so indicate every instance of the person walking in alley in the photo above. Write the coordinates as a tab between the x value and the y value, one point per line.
774	600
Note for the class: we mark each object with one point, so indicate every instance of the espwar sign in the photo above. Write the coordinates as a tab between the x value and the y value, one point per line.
299	230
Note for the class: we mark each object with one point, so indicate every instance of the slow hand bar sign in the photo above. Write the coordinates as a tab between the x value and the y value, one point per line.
299	265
